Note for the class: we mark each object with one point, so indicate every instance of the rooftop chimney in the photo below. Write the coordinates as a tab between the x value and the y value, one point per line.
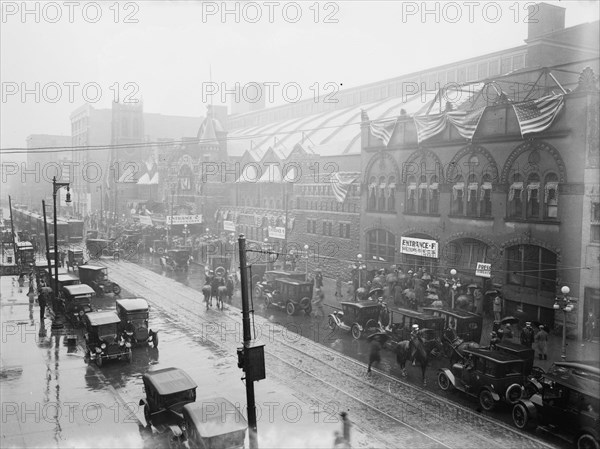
543	19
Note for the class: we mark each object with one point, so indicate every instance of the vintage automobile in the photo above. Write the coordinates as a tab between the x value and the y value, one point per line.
213	423
65	280
97	277
97	248
76	301
220	265
526	353
491	376
357	317
74	258
568	403
177	259
167	390
102	338
291	295
134	313
468	326
401	322
266	285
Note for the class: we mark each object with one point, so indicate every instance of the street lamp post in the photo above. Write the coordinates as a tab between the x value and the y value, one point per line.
186	232
455	285
566	306
306	255
56	186
99	188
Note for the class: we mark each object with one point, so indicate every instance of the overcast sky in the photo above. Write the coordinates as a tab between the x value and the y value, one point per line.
166	50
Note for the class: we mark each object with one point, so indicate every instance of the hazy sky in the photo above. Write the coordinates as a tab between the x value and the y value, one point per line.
165	50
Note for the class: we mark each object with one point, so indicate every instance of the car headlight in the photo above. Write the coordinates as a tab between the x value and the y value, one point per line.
81	312
121	342
103	345
128	345
98	350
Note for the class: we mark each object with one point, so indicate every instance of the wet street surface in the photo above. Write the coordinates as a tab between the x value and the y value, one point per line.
53	398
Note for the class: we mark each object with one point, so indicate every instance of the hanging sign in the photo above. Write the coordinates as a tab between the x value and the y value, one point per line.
419	247
277	232
145	220
229	225
483	270
183	219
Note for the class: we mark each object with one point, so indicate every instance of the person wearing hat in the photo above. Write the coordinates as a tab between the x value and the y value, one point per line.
508	334
527	335
494	340
414	336
541	340
318	303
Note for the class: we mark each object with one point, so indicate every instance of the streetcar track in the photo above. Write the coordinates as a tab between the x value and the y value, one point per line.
145	277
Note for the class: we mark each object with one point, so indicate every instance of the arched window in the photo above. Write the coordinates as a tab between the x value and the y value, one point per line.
533	196
423	190
458	196
381	244
486	196
411	195
472	197
391	194
381	194
434	196
372	199
531	266
515	197
550	196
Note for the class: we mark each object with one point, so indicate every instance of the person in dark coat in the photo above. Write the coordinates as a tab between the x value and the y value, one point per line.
527	335
318	279
375	353
230	285
42	298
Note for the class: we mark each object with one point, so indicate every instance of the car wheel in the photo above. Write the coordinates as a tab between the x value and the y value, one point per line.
587	441
371	324
267	301
116	289
290	308
308	310
444	381
356	332
257	292
147	415
514	394
521	417
331	323
99	361
486	400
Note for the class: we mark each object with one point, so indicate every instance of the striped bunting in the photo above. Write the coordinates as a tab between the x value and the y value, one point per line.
340	184
537	115
429	125
383	130
466	122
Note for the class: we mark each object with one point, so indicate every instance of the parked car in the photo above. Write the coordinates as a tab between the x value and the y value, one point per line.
167	390
74	258
177	259
468	326
97	277
134	314
214	423
568	403
266	285
357	317
76	301
98	247
290	295
490	376
220	265
401	322
102	338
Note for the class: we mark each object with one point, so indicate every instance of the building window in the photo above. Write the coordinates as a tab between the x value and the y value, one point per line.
391	195
595	227
531	266
345	230
381	245
327	226
472	197
515	197
551	195
372	201
411	193
458	194
422	192
486	196
464	254
434	196
381	194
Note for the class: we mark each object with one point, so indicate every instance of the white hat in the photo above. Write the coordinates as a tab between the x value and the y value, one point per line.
415	326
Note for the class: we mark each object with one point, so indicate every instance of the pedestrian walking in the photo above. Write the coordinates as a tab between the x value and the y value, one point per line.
338	288
318	303
527	335
590	326
42	298
497	308
478	301
374	353
318	279
541	341
31	294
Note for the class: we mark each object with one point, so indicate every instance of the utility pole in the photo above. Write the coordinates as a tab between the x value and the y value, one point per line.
12	229
47	243
251	358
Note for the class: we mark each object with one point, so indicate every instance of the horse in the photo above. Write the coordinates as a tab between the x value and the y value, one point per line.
221	295
454	345
422	352
206	291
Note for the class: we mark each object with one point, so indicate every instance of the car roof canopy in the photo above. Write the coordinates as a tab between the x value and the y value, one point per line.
133	304
101	318
495	356
91	267
361	304
215	416
170	380
579	376
79	289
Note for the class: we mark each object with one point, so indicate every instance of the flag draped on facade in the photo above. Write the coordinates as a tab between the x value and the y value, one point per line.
340	184
429	125
537	115
466	122
383	130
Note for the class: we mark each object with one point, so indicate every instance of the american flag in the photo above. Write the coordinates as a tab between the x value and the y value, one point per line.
340	184
466	121
383	130
429	125
537	115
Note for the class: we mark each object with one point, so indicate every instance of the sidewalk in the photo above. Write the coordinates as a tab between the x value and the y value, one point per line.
576	349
